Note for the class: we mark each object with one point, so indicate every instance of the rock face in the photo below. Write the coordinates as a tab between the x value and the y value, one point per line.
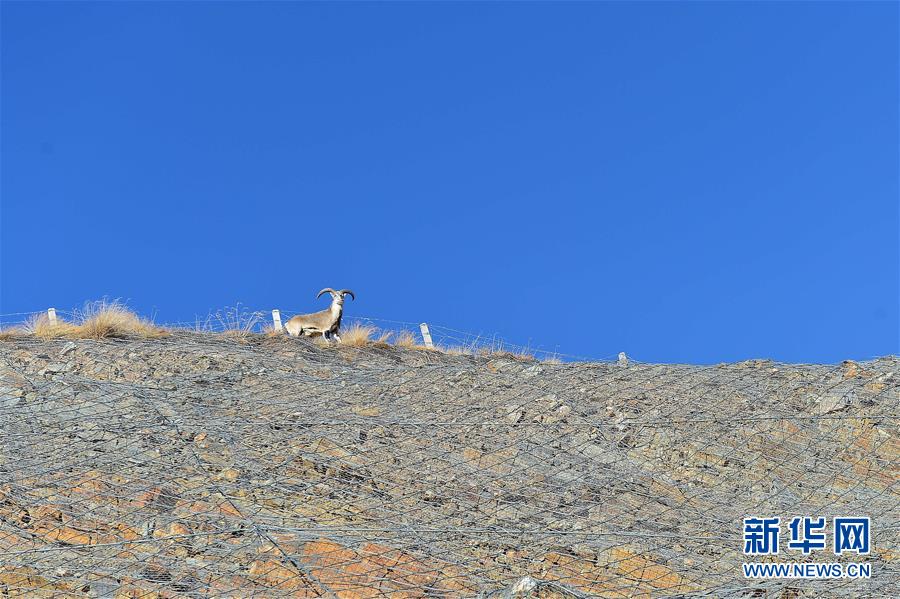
205	466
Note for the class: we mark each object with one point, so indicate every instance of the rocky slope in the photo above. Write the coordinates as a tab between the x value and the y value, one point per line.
201	465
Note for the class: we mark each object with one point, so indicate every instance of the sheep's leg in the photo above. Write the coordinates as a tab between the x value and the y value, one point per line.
325	336
336	336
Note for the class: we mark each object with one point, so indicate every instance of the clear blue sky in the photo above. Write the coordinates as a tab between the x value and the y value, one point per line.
694	182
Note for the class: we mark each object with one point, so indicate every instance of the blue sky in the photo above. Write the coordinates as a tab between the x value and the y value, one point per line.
692	182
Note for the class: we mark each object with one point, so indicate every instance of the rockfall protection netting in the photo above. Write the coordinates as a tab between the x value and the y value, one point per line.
203	465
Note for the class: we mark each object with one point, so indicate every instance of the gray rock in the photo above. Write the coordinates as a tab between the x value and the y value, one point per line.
10	402
839	398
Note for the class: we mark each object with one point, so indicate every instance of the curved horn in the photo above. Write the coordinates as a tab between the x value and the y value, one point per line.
327	289
348	292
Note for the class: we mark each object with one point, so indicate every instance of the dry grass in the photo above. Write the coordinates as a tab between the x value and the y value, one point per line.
269	331
499	352
236	321
11	334
405	339
383	339
111	319
357	335
458	351
520	356
241	337
102	319
551	360
40	326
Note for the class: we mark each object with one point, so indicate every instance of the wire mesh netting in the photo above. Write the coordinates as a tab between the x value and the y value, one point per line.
202	465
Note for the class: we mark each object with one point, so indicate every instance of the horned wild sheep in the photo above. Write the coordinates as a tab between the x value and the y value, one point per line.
326	323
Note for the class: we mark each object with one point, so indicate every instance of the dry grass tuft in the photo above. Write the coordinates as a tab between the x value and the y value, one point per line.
269	331
552	360
236	321
320	340
102	319
383	339
241	337
459	351
40	326
106	319
11	334
502	353
405	339
357	335
522	356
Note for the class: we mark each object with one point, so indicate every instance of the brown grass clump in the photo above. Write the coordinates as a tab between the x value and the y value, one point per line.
458	351
40	326
384	339
97	320
521	356
10	334
357	335
241	337
269	331
405	339
236	322
502	353
111	319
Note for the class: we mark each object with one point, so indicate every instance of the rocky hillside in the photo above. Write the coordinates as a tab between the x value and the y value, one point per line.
201	465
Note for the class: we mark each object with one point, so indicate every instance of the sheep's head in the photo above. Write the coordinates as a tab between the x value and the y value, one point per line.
337	296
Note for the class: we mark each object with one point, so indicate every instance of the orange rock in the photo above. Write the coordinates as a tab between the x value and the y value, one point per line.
230	474
324	553
136	592
874	386
46	512
18	581
405	572
345	572
21	577
274	574
574	570
231	586
90	483
9	540
145	498
647	572
229	510
177	528
64	534
127	533
205	507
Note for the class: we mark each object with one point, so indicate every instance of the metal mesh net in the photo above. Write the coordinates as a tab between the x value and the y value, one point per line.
203	465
